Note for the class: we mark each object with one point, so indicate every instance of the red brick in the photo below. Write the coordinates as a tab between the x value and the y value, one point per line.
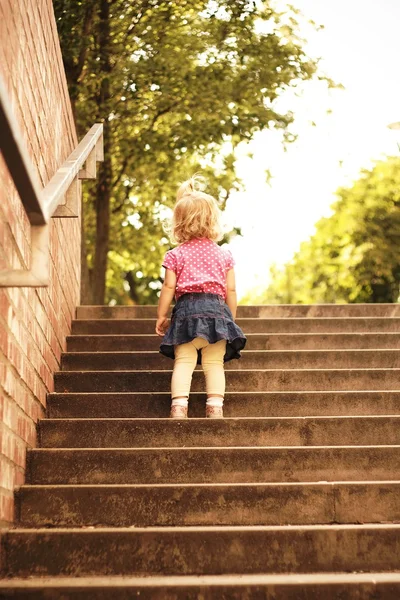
6	506
33	323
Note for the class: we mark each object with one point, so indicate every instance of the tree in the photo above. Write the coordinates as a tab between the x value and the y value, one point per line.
354	255
177	85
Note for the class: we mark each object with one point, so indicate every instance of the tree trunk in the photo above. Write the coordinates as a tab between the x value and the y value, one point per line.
73	70
103	194
132	292
103	190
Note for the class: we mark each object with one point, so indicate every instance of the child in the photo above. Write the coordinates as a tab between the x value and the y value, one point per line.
200	274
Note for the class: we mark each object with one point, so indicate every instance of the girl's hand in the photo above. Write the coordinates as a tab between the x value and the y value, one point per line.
164	303
162	326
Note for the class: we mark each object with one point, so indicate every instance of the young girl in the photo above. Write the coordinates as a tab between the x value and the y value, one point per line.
200	274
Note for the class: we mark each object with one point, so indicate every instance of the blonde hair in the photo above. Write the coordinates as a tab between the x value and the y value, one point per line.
196	214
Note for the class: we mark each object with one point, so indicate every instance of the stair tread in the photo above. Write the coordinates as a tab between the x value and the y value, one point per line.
212	448
194	432
233	371
315	525
290	393
205	528
220	422
237	379
213	549
183	580
251	334
345	318
246	352
270	484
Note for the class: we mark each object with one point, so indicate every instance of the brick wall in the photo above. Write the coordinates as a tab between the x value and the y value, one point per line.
33	322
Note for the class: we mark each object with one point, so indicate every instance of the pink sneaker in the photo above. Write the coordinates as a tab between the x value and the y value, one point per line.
214	412
178	412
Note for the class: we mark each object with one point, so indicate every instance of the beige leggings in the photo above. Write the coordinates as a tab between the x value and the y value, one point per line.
212	360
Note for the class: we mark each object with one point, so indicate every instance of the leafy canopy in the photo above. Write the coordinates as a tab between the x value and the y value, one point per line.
187	81
354	255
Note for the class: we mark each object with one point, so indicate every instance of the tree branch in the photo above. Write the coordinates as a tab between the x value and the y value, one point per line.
135	22
125	162
116	209
162	112
121	172
87	22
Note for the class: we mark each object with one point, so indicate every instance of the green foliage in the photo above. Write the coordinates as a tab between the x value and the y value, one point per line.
354	255
179	85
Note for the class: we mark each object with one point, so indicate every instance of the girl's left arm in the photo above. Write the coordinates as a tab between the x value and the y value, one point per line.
231	298
166	296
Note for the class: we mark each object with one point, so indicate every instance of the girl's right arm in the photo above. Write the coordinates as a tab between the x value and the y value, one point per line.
166	296
231	298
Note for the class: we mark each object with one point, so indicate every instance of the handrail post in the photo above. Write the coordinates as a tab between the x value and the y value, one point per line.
41	205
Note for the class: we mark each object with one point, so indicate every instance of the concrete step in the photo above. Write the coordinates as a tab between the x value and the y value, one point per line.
255	341
250	325
260	380
258	359
189	433
316	586
200	550
213	465
210	504
262	311
245	404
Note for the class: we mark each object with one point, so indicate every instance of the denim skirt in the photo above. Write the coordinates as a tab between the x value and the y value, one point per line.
206	316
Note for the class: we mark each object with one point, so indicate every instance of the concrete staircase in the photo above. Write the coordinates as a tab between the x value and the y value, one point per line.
295	495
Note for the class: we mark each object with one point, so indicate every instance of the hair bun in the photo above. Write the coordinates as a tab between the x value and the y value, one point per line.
193	184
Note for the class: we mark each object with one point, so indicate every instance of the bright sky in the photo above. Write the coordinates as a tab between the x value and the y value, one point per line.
359	48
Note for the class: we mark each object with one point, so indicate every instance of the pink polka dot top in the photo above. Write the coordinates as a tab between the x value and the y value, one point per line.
200	266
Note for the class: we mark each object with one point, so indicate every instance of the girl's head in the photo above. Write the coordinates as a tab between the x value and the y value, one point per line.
196	214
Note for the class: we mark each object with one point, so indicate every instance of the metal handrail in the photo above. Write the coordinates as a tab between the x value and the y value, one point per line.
60	198
18	161
88	151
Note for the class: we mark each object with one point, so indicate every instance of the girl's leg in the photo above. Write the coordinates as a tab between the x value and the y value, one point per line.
213	366
185	362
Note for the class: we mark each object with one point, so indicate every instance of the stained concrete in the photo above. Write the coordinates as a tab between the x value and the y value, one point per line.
254	380
201	550
187	433
267	359
208	504
251	325
264	311
255	497
241	404
336	586
255	341
213	465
